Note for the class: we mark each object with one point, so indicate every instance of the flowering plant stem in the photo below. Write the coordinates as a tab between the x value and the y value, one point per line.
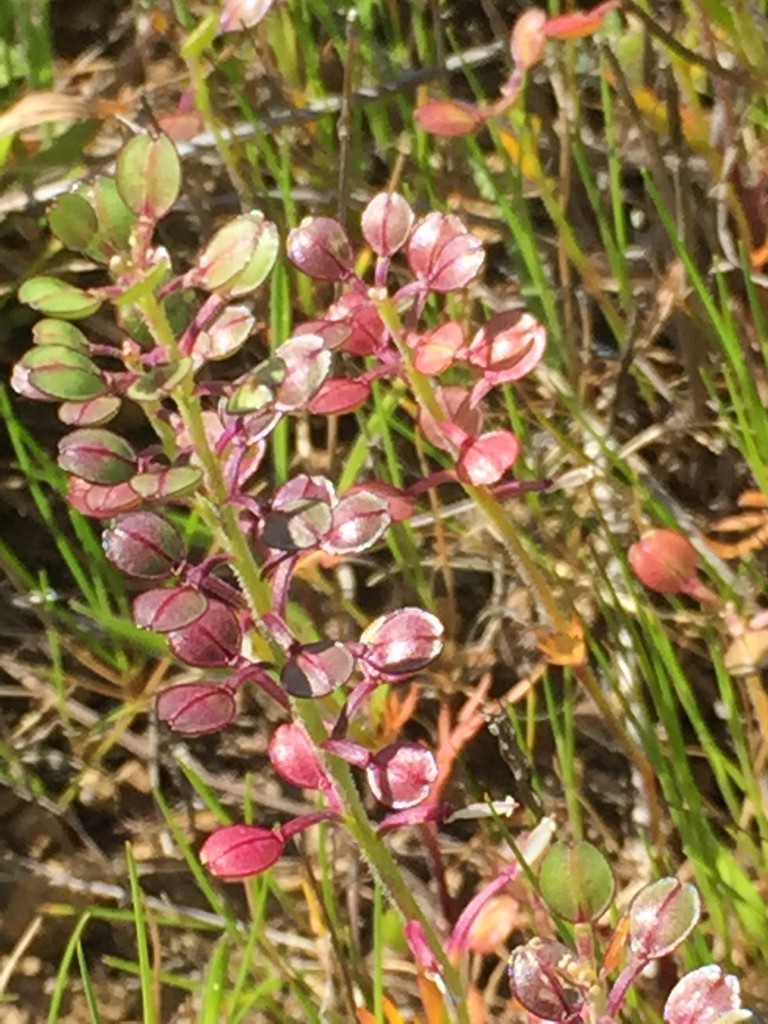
380	860
222	518
490	506
218	513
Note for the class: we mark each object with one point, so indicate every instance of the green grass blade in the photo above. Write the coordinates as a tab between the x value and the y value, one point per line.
147	972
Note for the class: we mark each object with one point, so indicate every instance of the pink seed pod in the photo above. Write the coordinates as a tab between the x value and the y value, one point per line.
386	223
143	544
528	38
485	459
403	642
665	561
295	758
443	253
704	996
320	248
239	851
540	978
401	775
449	117
196	709
661	916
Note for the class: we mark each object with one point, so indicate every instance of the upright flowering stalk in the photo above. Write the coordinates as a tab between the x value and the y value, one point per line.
225	616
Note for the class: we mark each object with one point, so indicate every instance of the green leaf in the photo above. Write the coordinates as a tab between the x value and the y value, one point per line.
199	40
159	382
145	285
258	390
73	220
62	373
59	332
239	257
149	175
146	970
116	220
98	456
169	483
576	881
92	413
53	297
68	385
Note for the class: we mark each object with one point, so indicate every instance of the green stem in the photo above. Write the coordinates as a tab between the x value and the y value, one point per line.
225	522
493	510
192	50
380	860
390	876
217	511
508	533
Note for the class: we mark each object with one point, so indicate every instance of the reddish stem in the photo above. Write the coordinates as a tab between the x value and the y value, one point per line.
621	986
699	592
296	825
204	317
